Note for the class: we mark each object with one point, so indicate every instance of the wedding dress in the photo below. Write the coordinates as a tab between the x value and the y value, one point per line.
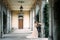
34	33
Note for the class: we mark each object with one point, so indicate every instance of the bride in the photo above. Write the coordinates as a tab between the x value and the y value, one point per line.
35	32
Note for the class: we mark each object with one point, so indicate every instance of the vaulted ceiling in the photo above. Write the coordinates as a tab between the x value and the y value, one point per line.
15	4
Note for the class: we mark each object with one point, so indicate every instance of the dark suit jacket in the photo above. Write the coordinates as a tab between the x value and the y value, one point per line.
39	28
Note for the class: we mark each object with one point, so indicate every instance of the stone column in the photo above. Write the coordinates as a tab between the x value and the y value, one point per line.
0	22
8	19
10	22
56	27
31	20
42	18
51	20
33	17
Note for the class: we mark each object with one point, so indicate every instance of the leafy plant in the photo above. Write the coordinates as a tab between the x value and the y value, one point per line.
46	20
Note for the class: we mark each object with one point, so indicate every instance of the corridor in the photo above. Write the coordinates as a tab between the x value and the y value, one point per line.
20	35
18	19
26	20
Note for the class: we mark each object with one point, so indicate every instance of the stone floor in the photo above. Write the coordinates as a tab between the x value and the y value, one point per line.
20	35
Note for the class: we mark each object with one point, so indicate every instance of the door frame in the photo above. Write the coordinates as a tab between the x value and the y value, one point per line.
20	17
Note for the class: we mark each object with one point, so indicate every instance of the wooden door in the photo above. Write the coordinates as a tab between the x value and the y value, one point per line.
20	23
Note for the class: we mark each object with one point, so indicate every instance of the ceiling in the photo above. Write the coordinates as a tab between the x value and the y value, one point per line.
15	4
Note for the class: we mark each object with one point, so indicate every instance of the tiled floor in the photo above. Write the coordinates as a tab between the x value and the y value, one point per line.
20	35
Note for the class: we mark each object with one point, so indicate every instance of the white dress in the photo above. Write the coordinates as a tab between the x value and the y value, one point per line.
34	32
